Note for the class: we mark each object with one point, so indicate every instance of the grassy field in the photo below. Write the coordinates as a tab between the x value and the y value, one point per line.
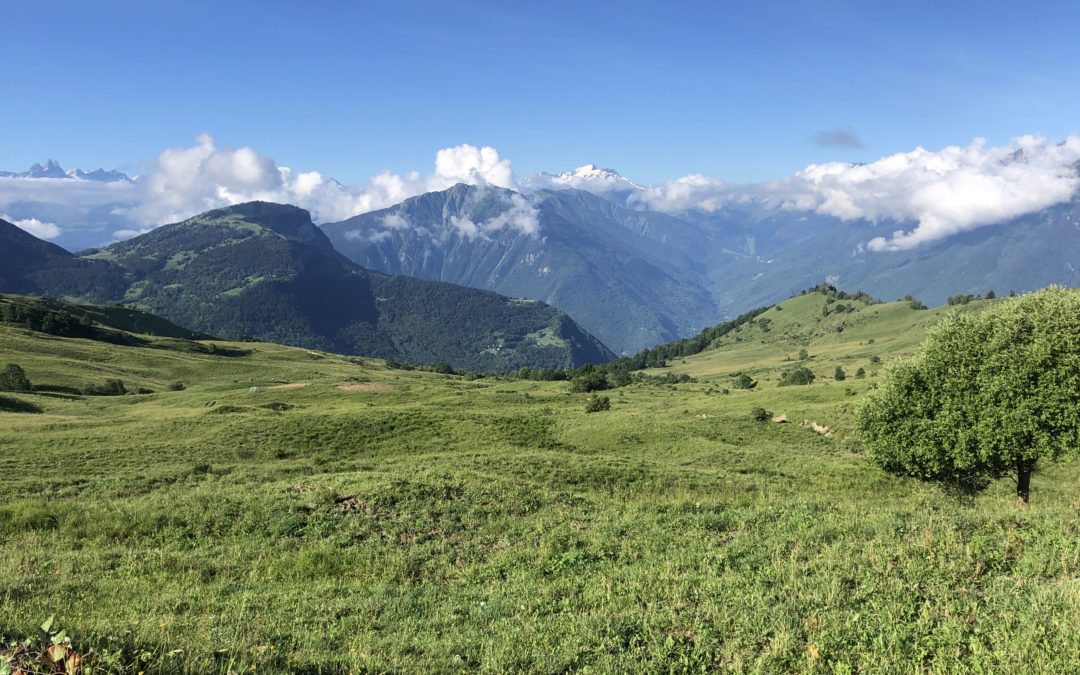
304	512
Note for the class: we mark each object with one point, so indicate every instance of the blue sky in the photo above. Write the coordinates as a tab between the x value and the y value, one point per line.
655	90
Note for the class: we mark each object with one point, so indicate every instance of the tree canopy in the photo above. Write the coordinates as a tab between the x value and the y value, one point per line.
988	395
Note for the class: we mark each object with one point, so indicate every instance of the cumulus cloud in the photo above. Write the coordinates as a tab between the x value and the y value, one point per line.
843	137
186	181
39	229
946	192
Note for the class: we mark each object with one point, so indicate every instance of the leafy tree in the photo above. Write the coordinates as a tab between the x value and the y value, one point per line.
798	375
839	375
986	396
13	378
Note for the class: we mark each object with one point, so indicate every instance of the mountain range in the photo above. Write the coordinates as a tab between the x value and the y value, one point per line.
636	278
584	241
52	169
266	271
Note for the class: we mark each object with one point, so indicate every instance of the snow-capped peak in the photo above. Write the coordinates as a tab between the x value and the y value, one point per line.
589	177
592	172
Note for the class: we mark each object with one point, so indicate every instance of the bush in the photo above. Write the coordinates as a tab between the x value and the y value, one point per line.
803	354
111	387
13	378
589	382
442	368
743	381
597	404
839	375
177	386
800	375
761	415
860	373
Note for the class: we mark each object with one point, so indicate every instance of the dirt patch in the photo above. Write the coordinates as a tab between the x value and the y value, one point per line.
371	387
297	385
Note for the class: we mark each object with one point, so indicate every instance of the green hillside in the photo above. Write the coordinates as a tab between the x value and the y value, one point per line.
292	510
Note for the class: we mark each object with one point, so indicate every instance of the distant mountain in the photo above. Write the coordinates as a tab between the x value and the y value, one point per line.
770	254
52	169
622	274
265	270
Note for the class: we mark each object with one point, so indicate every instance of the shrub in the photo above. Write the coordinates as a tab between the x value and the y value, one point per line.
839	375
442	368
860	373
761	415
799	375
13	378
177	386
743	381
589	382
111	387
803	354
597	404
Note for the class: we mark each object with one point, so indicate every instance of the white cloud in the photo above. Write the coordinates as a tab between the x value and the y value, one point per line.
395	221
471	165
187	181
682	194
929	194
39	229
946	192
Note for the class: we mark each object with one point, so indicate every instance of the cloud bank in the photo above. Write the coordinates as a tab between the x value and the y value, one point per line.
929	195
190	180
940	193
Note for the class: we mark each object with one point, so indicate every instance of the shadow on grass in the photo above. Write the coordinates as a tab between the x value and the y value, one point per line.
9	404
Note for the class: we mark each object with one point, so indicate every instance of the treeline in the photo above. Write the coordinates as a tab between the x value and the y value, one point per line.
965	298
833	293
657	357
57	322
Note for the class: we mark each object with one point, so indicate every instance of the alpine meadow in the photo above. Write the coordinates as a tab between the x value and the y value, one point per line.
794	390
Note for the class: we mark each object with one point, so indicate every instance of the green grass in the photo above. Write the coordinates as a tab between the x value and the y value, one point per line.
410	522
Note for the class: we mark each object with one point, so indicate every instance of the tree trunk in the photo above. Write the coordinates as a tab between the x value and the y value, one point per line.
1023	482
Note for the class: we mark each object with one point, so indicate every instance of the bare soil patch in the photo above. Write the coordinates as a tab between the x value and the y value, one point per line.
295	385
371	387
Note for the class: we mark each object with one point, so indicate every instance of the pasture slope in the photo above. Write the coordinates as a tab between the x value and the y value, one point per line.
377	520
